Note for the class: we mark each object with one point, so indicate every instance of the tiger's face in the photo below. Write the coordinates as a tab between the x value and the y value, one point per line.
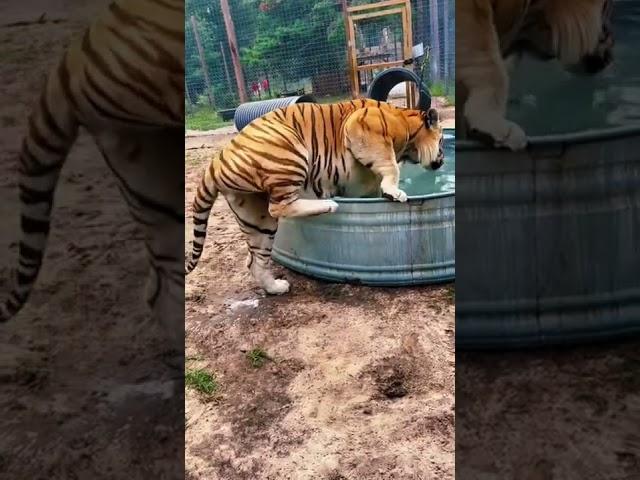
602	55
577	33
426	145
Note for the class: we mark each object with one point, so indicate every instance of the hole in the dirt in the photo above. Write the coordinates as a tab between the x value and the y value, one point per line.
336	476
395	388
391	380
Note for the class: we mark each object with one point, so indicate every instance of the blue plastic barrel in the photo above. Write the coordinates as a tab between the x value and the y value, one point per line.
248	112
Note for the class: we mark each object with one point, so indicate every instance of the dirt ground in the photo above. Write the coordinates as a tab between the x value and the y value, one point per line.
361	381
79	385
570	413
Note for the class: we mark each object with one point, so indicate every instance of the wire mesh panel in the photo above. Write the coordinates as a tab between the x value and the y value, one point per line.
434	29
245	50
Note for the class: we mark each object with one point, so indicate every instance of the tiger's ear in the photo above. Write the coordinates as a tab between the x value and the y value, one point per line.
432	118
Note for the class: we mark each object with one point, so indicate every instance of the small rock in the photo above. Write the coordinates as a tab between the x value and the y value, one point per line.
251	303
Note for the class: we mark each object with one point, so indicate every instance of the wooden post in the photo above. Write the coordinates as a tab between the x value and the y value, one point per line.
226	67
233	46
186	92
203	62
350	44
408	52
353	51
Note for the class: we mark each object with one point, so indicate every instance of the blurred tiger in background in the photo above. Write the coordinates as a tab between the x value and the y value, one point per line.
123	81
288	163
576	32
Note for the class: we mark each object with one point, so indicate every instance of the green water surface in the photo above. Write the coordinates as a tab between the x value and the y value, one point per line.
545	99
416	180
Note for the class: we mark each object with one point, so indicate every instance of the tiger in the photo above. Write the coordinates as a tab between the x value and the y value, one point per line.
289	162
122	81
493	34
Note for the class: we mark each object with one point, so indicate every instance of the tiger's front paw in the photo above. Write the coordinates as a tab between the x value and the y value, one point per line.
503	133
331	206
277	287
395	195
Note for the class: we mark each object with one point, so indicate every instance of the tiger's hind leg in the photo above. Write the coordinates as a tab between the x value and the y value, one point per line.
252	214
302	207
150	168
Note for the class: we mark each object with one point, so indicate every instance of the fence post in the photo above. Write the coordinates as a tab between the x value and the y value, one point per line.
350	66
435	36
233	46
446	44
203	62
186	92
226	67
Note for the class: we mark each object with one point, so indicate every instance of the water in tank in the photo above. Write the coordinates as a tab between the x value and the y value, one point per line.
544	94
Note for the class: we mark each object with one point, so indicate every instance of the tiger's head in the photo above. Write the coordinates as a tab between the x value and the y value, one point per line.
425	144
577	33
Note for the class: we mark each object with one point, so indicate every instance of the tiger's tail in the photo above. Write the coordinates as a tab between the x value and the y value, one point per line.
202	203
53	128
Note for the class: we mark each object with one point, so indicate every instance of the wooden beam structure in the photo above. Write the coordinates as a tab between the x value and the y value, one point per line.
383	4
360	13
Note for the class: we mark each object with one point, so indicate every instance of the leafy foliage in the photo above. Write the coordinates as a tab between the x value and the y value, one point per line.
285	41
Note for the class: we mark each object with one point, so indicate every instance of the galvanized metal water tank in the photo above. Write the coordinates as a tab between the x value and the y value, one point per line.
248	112
548	240
374	241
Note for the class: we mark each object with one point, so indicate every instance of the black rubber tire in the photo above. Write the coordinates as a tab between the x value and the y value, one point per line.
389	78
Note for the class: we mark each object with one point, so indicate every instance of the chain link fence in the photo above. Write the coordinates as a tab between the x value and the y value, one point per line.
245	50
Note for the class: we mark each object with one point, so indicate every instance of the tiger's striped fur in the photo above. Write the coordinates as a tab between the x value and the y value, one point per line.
123	81
288	162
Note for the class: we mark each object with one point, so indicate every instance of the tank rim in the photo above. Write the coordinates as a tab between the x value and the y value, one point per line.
560	139
410	199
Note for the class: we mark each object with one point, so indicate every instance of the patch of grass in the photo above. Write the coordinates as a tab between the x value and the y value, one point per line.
202	381
441	90
204	118
257	357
